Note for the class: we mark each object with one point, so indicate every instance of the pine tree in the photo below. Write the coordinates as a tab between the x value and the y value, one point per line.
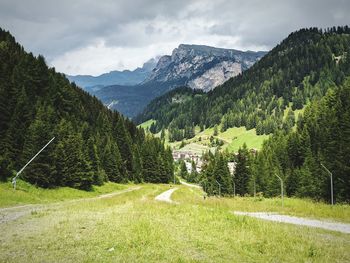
125	146
222	175
183	170
193	176
112	163
94	160
137	165
39	172
242	172
215	131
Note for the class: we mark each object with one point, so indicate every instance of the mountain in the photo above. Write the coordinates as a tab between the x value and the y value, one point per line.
92	144
298	70
125	77
307	73
196	66
202	67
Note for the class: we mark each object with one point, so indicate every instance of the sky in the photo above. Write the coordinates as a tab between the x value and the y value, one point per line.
93	37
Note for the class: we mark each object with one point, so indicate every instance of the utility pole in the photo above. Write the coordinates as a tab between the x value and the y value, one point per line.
254	188
234	188
331	176
281	188
14	179
219	187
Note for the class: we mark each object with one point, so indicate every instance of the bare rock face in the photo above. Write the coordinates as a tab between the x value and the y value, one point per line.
216	75
201	67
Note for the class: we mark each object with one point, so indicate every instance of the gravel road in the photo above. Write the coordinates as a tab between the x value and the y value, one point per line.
166	196
340	227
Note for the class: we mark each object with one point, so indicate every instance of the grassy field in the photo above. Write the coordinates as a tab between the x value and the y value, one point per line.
238	136
233	138
133	227
146	125
28	194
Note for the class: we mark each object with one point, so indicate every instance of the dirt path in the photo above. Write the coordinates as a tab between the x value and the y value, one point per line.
15	212
340	227
166	196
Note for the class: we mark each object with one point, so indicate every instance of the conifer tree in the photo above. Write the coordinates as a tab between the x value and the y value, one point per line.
242	172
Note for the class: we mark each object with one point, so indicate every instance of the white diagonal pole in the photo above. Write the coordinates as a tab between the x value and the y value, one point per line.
331	175
281	188
219	187
20	171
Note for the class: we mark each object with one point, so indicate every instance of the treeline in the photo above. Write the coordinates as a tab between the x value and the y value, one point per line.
92	145
322	136
295	72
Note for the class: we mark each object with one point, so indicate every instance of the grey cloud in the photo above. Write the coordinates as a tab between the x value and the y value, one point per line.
54	28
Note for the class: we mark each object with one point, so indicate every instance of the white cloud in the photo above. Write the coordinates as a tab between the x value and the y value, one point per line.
99	58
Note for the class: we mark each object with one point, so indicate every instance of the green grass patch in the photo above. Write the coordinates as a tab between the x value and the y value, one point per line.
147	124
29	194
292	206
233	138
238	136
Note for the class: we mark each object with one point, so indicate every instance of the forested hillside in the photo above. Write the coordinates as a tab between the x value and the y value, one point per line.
310	70
92	144
321	137
297	71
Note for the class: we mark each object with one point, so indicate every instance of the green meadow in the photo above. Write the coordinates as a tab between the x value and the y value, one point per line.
129	225
233	139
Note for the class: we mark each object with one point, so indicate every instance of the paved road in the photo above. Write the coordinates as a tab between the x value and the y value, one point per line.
340	227
15	212
166	196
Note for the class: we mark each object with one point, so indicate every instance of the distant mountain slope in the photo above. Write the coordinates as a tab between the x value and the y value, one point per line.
298	70
199	67
92	144
202	67
125	77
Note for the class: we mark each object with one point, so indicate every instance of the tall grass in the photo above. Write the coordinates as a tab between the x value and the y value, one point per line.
133	227
26	193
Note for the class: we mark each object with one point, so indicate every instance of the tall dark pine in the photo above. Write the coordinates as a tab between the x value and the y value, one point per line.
125	146
242	172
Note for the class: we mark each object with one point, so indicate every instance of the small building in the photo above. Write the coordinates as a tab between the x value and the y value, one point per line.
185	155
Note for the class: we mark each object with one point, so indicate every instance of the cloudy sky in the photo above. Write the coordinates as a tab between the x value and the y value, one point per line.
93	37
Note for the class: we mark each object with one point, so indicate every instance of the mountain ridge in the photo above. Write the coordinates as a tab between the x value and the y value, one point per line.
114	77
197	66
295	71
189	62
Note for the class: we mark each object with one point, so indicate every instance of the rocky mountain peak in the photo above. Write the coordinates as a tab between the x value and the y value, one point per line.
202	67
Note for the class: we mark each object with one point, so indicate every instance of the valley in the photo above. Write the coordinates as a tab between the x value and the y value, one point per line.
197	66
232	139
174	131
